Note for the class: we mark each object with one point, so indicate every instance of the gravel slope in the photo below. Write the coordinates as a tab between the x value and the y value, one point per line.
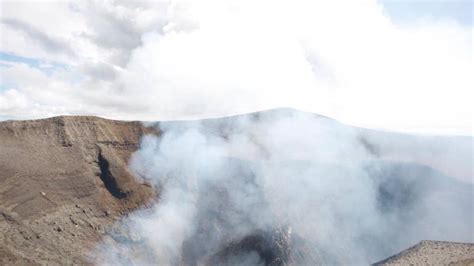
433	253
63	181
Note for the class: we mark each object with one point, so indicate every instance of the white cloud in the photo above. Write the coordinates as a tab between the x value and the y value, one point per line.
184	59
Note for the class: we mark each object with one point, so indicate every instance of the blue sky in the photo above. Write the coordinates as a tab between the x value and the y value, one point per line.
45	66
409	10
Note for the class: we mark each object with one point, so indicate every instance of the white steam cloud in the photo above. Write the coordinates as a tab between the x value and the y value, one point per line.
281	187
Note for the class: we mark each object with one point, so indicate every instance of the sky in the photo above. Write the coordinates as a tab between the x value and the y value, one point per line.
393	65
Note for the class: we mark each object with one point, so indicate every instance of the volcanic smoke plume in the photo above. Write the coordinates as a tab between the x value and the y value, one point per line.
281	188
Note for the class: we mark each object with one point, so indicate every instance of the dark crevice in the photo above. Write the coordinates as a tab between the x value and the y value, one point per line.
272	248
109	180
370	147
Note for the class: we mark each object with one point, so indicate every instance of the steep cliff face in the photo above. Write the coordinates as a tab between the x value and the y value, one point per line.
63	181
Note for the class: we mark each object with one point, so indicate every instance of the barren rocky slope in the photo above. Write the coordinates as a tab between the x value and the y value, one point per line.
434	253
63	181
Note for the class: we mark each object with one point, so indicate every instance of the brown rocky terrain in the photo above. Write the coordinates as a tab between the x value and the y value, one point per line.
434	253
63	182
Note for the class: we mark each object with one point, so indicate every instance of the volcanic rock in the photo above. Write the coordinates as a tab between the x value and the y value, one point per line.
433	253
61	173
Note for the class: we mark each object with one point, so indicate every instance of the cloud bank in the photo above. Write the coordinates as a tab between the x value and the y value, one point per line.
165	60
